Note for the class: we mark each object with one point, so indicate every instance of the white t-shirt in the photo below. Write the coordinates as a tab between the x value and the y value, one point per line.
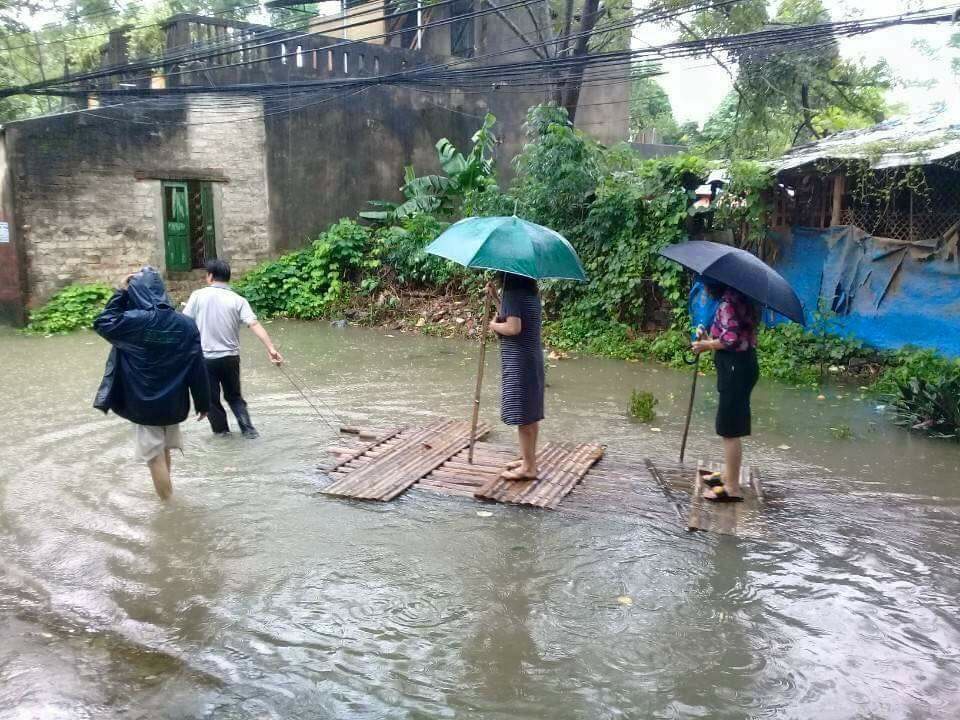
218	312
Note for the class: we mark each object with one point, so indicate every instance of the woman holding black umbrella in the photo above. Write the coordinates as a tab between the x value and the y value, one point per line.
743	283
733	340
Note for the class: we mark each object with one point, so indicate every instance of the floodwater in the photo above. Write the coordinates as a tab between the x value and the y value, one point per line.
250	596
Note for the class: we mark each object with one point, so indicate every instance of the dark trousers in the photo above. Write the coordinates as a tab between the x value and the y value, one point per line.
225	372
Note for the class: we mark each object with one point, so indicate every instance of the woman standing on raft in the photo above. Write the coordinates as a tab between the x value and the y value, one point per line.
733	338
518	323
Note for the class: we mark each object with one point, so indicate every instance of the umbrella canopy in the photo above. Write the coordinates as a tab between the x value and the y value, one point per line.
511	245
740	270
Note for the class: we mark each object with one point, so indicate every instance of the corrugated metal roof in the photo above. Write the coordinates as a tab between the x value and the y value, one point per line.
903	141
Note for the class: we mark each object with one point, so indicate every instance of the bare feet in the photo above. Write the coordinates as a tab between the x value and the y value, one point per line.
514	464
519	474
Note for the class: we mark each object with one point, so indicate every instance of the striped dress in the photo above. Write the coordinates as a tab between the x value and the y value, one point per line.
521	360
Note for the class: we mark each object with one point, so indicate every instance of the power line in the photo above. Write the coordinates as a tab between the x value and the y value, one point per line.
527	74
203	53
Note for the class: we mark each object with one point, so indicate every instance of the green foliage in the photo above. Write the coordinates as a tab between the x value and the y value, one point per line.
312	282
557	171
401	249
650	108
73	308
955	61
789	93
910	364
609	339
842	432
792	354
642	404
443	194
925	393
744	207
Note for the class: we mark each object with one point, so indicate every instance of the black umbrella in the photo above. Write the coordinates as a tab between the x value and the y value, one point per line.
741	271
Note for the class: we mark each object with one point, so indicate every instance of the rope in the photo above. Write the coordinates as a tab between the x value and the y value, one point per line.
299	389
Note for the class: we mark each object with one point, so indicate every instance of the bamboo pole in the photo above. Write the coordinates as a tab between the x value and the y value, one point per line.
686	424
476	394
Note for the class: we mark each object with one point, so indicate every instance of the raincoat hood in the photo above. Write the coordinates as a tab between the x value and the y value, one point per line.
156	362
146	291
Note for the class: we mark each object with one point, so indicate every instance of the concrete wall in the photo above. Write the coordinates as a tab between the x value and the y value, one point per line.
325	162
87	189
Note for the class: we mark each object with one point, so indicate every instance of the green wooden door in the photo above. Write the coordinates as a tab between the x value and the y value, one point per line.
209	227
176	226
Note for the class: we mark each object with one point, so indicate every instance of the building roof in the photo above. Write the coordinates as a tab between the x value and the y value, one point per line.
910	140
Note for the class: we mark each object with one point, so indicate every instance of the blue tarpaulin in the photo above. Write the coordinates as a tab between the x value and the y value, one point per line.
884	293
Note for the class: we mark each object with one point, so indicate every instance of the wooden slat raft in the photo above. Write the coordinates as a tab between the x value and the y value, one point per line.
560	468
398	459
744	519
609	487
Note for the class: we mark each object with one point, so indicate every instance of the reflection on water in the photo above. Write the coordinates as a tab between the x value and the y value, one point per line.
250	596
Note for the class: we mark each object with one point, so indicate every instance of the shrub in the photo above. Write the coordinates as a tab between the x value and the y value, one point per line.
401	247
642	404
792	354
312	282
74	307
910	364
924	392
577	332
932	405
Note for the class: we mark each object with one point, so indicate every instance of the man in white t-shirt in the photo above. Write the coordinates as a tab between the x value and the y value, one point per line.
218	312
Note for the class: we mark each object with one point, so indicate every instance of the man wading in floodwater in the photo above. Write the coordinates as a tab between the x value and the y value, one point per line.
219	311
155	361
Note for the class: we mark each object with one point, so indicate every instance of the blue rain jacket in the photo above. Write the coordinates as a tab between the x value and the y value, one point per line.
156	359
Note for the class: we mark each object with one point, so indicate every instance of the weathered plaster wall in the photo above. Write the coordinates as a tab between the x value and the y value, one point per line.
327	161
84	215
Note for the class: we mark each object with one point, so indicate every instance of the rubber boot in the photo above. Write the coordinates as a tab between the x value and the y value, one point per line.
246	425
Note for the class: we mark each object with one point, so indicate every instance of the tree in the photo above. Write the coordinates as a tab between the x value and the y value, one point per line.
583	29
73	41
955	43
788	93
650	109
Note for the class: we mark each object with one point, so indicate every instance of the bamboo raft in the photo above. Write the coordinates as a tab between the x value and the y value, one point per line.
579	479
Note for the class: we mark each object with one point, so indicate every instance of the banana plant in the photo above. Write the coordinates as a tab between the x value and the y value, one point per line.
442	194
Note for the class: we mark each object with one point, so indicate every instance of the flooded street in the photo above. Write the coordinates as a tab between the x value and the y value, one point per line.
251	596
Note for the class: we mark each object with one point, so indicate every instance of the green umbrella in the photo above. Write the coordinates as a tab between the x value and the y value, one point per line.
511	245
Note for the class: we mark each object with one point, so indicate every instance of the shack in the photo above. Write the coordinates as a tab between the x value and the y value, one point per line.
866	226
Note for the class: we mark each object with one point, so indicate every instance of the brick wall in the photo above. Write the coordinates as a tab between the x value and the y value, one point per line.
238	147
84	215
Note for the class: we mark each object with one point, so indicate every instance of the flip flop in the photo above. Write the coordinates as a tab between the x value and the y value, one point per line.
514	464
720	495
516	475
712	479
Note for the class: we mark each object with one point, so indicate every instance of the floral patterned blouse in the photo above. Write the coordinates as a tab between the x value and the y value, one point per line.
735	322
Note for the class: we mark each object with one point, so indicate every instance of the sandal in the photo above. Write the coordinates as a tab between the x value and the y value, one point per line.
720	495
712	480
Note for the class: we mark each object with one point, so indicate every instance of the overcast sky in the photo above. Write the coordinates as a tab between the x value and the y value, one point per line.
697	86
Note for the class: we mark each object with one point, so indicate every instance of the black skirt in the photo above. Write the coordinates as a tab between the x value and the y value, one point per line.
737	373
